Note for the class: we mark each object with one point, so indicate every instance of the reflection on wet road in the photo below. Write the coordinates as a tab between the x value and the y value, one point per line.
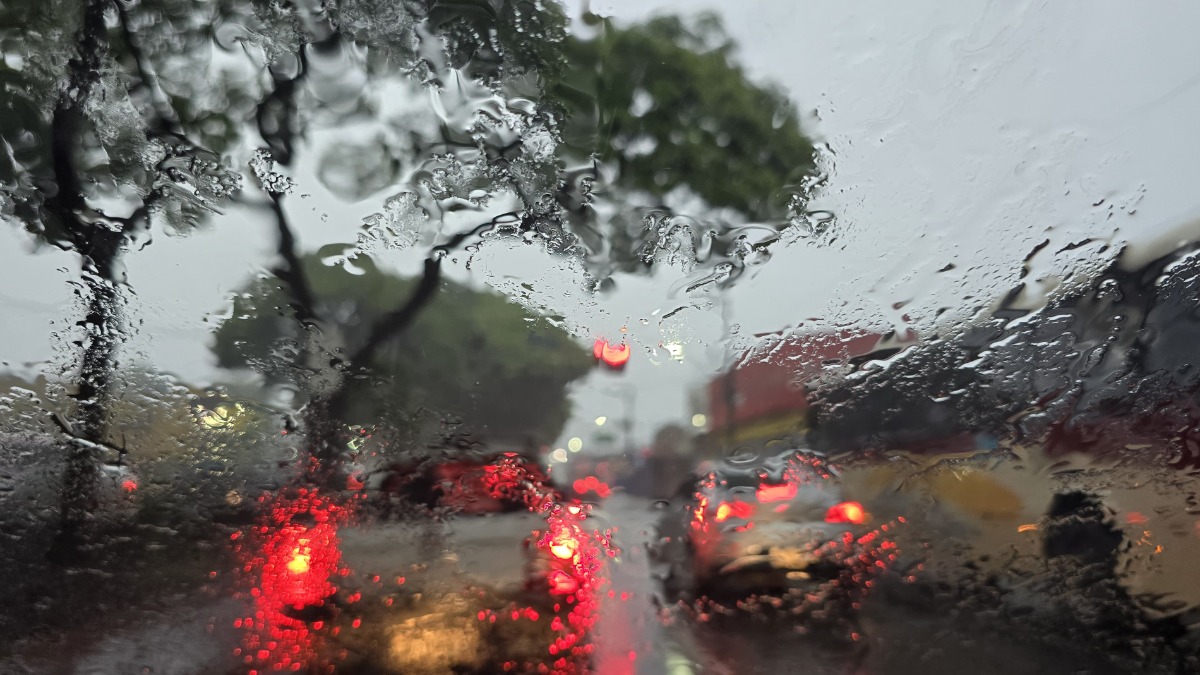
897	631
439	597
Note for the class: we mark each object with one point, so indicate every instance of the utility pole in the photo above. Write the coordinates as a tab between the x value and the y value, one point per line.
627	394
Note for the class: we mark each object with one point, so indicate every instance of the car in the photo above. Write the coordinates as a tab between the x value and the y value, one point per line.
545	564
31	472
740	530
477	482
501	501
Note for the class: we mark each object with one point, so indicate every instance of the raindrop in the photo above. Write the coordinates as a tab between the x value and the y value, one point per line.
263	166
743	454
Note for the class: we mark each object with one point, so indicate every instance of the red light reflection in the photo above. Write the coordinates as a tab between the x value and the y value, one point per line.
776	493
846	512
734	509
592	484
290	559
575	557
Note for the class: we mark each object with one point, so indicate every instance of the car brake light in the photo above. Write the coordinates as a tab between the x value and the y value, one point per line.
735	509
562	583
776	493
592	484
563	549
299	562
846	512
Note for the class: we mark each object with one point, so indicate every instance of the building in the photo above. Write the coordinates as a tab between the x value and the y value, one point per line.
764	395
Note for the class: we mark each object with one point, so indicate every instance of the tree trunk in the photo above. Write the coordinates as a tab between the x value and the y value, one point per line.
101	247
81	477
323	443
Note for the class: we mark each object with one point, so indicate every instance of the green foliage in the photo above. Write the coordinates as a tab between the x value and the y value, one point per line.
470	355
122	143
37	39
663	101
493	40
667	103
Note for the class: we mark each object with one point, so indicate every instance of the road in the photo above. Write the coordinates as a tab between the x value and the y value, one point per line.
945	620
939	623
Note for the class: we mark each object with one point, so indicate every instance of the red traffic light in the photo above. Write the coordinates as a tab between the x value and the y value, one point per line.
613	356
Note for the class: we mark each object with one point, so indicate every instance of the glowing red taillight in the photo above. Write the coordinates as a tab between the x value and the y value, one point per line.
299	562
723	512
846	512
562	583
734	509
563	549
592	484
776	493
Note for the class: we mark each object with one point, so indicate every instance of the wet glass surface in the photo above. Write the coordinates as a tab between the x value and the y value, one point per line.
351	336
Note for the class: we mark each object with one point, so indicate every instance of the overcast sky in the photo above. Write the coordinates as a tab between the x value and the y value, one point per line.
961	133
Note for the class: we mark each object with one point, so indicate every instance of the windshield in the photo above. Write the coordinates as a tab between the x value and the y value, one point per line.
419	336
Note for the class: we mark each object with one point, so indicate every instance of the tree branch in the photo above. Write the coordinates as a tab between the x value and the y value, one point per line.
162	106
64	123
279	134
97	243
291	272
399	319
392	324
395	322
79	441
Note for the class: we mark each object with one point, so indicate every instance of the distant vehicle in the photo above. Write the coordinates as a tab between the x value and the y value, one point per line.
544	563
119	477
478	483
739	531
31	471
516	495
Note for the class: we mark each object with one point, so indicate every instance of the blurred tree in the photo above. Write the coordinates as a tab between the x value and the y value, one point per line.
665	114
666	101
118	117
474	356
622	120
91	153
551	89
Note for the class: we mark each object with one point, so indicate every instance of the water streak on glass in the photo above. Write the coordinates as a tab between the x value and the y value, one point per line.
544	336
